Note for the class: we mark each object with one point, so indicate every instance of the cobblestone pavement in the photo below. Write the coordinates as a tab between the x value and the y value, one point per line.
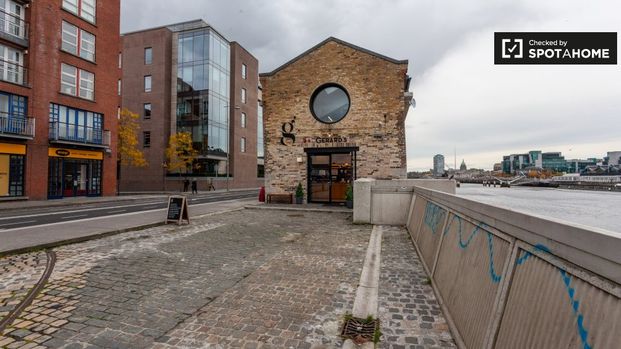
248	279
19	276
409	313
291	278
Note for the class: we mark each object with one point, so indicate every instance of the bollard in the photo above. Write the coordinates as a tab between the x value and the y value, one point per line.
262	194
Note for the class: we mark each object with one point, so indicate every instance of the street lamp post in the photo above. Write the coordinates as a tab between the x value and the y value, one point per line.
228	133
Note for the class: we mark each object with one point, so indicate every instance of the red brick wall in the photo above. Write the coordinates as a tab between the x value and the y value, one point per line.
43	61
150	178
244	165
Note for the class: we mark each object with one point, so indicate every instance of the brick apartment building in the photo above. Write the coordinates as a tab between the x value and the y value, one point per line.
333	114
59	68
187	77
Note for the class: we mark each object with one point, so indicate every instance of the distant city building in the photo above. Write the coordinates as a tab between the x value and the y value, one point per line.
498	167
438	165
614	158
463	166
186	77
553	161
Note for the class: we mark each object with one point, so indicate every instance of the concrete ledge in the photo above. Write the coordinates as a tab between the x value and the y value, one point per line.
366	302
298	209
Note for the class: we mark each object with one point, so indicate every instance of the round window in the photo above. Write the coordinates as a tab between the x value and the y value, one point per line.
329	103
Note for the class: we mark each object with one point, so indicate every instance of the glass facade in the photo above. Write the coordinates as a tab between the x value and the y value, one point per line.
203	94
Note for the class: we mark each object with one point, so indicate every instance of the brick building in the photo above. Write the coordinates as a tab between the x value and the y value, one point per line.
333	114
187	77
58	98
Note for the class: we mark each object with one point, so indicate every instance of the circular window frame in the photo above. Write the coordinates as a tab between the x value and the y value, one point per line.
319	90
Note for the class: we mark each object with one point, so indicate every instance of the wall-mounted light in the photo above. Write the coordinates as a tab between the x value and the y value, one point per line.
300	160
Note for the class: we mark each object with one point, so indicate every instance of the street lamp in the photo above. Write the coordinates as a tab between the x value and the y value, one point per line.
228	133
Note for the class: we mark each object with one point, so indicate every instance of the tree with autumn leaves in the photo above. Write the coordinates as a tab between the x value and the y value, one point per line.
128	153
180	153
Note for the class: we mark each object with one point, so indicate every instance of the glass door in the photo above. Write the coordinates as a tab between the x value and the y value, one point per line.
341	175
319	178
329	175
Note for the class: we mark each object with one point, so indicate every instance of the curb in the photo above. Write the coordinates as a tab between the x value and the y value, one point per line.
324	210
100	235
59	243
51	203
367	295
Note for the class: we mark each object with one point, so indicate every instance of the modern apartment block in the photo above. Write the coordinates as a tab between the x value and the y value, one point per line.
58	98
187	77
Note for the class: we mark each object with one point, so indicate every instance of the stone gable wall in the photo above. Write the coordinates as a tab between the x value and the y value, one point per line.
375	122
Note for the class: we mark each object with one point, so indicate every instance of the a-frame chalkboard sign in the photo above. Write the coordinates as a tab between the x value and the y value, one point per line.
177	210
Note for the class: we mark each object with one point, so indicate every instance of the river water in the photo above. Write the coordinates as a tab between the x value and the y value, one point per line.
591	208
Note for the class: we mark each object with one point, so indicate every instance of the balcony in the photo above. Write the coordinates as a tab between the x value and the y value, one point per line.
64	133
13	72
13	28
16	126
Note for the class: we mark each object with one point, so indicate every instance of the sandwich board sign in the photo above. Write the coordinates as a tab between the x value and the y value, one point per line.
177	210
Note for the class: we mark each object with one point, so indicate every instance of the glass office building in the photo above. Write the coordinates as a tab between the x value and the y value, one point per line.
203	94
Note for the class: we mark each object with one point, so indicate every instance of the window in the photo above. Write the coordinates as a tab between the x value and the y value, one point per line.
243	120
243	95
75	124
78	42
120	60
243	145
148	55
119	87
87	85
12	16
147	83
146	139
68	79
147	110
329	103
77	82
11	68
244	71
83	8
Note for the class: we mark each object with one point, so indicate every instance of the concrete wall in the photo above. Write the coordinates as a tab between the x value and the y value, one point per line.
388	201
510	280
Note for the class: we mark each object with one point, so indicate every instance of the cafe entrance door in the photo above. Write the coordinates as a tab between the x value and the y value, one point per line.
330	172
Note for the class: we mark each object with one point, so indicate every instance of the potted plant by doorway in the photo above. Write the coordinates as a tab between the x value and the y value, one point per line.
349	196
299	194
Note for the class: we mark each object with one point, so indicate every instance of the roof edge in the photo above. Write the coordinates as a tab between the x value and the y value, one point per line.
339	41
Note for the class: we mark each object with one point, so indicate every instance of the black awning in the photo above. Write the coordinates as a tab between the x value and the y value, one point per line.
331	150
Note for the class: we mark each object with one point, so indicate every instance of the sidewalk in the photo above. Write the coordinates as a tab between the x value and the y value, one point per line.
49	235
83	200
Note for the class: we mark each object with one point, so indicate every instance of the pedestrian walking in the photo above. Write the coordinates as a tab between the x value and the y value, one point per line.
194	186
186	185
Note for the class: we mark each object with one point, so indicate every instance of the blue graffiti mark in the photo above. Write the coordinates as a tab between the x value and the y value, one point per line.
490	243
463	245
448	226
571	292
434	216
526	255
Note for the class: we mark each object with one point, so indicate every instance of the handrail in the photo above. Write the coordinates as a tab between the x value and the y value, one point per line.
14	25
61	131
13	72
15	124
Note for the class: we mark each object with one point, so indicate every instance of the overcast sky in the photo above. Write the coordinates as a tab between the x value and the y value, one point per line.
464	101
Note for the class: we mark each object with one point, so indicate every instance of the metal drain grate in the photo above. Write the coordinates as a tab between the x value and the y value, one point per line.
360	330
